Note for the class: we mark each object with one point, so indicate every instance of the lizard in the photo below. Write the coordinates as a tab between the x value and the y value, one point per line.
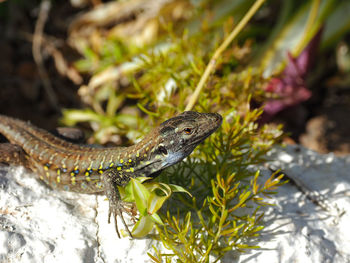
89	169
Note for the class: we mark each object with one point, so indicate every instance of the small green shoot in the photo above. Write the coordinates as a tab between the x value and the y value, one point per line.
149	197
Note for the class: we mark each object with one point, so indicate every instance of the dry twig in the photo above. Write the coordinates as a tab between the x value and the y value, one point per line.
212	63
37	42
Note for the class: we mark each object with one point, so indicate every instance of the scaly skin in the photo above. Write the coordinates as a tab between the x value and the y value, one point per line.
88	169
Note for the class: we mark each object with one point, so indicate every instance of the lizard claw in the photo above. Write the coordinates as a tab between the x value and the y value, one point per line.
117	210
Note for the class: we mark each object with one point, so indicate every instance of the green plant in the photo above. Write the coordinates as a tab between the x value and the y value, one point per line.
223	213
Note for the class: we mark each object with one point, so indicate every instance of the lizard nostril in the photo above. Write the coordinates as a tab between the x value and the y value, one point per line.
218	117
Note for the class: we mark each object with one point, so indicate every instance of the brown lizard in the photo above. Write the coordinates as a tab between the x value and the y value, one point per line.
88	169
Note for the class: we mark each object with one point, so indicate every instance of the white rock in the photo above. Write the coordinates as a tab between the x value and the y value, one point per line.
298	230
38	224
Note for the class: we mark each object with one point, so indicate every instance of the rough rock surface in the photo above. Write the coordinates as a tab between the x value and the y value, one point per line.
38	224
298	230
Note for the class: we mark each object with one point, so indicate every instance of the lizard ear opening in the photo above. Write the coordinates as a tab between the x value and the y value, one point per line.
162	150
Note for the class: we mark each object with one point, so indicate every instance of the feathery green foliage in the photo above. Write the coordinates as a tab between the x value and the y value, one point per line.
224	212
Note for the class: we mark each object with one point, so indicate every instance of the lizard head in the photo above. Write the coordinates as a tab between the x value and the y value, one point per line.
174	140
180	135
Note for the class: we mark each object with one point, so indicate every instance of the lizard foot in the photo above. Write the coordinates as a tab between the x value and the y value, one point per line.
116	210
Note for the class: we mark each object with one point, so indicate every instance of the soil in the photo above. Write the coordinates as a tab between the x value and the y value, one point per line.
22	93
328	130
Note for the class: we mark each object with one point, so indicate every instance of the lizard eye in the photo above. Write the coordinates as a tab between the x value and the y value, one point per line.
162	150
188	131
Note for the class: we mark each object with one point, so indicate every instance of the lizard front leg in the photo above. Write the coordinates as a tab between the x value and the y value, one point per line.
113	178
